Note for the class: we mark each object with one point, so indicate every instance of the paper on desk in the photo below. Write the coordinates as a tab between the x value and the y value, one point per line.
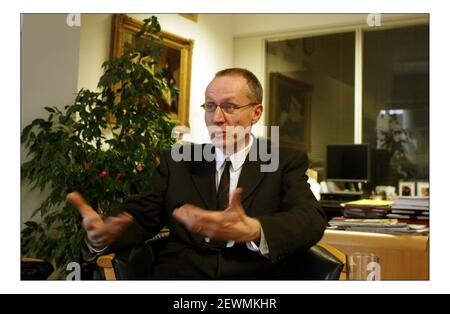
367	202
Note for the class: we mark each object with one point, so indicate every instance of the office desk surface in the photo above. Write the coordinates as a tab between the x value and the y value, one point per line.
402	257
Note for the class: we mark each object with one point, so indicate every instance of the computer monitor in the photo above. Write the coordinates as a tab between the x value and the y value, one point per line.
348	163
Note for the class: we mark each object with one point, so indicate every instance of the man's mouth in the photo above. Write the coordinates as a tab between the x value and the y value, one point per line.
220	134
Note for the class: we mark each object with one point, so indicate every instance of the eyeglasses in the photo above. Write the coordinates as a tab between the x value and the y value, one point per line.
226	107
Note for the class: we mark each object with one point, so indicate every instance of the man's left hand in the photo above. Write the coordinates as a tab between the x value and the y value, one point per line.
229	224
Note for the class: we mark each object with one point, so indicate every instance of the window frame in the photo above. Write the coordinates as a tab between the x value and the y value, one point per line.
359	31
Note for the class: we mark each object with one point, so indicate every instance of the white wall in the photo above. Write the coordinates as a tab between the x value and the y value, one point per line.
213	51
250	54
94	48
49	72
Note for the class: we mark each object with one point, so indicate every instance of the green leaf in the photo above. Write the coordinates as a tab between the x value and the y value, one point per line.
50	109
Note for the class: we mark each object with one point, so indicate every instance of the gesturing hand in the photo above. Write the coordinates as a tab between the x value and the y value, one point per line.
229	224
100	233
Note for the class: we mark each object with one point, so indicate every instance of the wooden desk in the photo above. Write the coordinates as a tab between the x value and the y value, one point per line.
402	257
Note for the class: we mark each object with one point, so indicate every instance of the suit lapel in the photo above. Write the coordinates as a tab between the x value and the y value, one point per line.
204	177
251	174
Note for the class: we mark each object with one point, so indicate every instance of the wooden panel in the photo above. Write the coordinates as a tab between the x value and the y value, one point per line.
402	257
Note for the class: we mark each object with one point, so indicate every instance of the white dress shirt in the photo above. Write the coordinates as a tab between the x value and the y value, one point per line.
237	161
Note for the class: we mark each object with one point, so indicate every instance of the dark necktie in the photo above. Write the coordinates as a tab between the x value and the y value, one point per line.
223	191
223	198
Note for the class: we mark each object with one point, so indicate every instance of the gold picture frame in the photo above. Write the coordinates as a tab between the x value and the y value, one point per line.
190	16
290	109
176	55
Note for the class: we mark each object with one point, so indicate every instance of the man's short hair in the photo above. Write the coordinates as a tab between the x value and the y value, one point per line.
254	86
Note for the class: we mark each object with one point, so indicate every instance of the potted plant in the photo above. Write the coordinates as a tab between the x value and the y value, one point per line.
106	146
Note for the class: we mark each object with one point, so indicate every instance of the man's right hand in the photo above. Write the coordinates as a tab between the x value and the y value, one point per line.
100	233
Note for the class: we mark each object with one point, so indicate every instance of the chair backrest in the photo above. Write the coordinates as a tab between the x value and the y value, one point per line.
34	269
320	262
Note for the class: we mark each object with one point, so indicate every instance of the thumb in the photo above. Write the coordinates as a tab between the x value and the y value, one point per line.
77	200
236	201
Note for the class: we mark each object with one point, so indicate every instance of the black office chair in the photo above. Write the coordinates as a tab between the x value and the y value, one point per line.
35	269
320	262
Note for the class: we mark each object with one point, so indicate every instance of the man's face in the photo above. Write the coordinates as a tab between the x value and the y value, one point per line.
225	129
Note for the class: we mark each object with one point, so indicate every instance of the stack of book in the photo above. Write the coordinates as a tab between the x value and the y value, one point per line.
410	208
366	208
376	225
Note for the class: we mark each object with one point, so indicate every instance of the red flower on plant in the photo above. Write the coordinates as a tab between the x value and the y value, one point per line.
103	174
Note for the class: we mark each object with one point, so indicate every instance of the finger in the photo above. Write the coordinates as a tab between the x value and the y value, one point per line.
99	244
97	237
101	237
126	217
119	222
189	215
182	215
236	201
96	234
77	200
92	222
112	228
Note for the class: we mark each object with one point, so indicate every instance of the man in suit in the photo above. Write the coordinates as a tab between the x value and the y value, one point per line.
227	218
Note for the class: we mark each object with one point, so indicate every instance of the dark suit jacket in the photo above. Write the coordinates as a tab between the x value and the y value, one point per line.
282	201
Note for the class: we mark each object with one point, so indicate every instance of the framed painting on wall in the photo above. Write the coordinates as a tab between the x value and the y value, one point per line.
290	109
190	16
175	61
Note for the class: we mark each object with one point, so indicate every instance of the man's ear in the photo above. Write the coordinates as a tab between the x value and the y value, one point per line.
257	113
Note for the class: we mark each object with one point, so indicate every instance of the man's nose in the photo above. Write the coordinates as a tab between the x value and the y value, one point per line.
218	117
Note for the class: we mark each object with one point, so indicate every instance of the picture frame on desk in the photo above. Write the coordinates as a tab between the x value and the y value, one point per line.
423	189
406	188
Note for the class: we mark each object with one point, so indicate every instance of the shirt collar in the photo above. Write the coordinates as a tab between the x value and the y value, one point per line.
237	159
